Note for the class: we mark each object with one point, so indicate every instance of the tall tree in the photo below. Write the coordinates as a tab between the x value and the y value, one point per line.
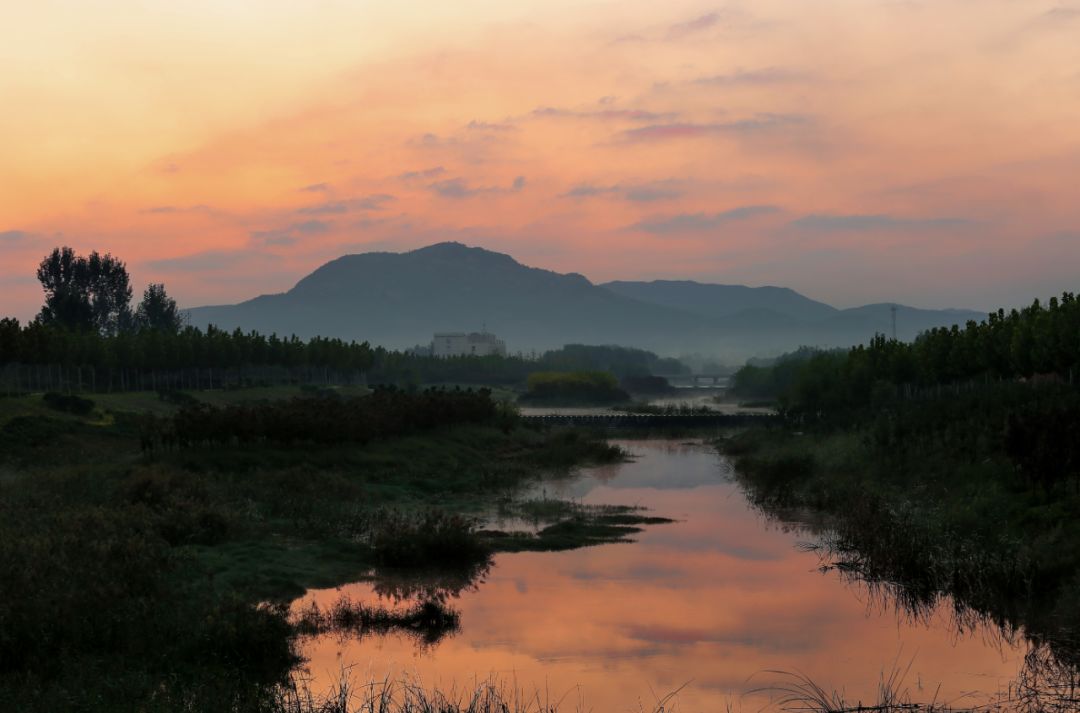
65	278
110	293
158	311
85	292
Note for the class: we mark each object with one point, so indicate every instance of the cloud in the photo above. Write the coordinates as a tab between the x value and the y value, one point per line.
174	209
291	234
648	194
13	236
475	125
755	124
690	27
645	193
332	208
604	114
871	223
311	227
700	222
210	261
316	188
455	188
425	174
1056	17
373	202
459	188
764	76
587	190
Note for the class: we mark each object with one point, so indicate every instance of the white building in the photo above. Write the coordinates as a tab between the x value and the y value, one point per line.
452	344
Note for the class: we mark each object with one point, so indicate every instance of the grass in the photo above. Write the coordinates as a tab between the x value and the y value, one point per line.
427	621
565	525
138	577
929	525
410	695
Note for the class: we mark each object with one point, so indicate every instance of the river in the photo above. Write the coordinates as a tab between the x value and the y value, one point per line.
712	605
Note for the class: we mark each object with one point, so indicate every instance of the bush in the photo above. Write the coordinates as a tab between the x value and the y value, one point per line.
69	403
386	413
433	538
576	387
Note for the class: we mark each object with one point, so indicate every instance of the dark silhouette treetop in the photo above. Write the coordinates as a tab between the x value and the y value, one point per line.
158	311
85	293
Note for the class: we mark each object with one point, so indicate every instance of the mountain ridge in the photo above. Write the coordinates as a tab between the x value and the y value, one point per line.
398	300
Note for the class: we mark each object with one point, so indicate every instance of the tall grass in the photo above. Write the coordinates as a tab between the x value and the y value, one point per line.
427	621
410	695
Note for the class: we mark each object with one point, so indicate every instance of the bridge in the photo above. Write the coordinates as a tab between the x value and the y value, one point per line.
649	420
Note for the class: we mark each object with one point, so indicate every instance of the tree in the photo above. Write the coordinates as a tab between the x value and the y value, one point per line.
110	293
65	278
85	292
158	311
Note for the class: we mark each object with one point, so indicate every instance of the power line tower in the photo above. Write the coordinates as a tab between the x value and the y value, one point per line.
893	310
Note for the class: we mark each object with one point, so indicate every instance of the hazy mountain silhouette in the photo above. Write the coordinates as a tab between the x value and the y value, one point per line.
399	299
708	300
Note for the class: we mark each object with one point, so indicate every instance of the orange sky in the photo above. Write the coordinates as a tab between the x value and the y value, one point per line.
856	150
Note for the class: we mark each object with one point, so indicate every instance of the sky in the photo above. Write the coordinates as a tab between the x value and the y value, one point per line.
855	150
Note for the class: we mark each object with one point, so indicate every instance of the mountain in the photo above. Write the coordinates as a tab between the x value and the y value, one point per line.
715	301
400	299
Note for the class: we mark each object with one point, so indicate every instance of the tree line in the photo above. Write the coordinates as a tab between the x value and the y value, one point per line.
88	337
1039	343
1003	388
44	357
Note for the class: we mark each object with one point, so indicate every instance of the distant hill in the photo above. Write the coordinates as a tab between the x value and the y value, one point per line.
715	301
399	299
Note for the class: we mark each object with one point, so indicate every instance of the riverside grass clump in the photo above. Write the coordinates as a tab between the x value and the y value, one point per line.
432	539
428	621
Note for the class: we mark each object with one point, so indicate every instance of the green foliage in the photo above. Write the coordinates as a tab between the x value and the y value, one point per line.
84	293
433	538
136	580
158	311
649	385
591	387
167	360
386	413
69	403
758	381
621	361
1039	344
42	356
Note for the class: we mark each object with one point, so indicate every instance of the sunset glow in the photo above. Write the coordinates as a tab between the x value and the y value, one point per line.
855	150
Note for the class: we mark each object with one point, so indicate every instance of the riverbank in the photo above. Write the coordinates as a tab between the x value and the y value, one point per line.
925	500
160	577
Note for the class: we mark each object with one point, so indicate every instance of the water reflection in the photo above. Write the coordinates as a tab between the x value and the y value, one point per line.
717	597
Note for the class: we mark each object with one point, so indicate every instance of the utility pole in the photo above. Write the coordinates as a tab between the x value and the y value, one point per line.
893	310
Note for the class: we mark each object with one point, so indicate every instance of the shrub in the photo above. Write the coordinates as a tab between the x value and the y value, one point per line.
69	403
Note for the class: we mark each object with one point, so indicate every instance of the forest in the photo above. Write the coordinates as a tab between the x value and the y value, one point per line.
1039	344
